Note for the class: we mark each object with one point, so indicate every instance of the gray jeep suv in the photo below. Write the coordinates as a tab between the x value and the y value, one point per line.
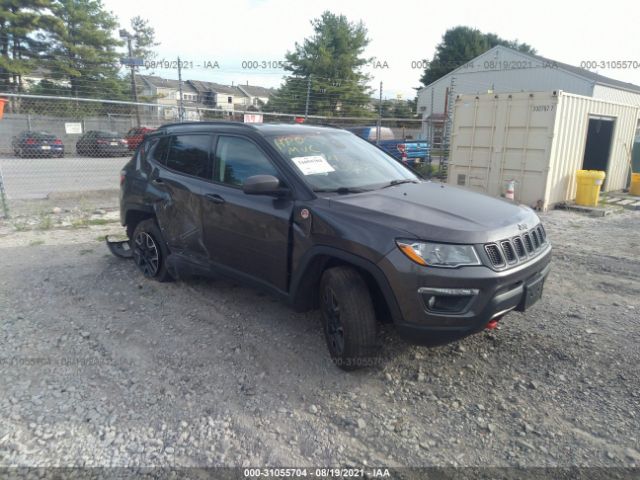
323	219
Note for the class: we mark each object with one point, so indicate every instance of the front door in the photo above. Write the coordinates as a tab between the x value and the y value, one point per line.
248	234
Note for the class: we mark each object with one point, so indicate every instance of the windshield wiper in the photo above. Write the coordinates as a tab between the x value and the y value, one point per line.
340	190
399	182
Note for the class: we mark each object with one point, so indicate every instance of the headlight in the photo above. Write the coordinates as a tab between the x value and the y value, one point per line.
439	254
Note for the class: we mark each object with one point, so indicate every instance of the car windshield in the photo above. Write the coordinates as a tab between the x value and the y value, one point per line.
335	160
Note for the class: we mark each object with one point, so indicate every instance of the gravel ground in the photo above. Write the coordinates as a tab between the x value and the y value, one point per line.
99	367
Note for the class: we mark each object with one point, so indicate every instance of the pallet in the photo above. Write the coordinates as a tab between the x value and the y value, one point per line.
591	211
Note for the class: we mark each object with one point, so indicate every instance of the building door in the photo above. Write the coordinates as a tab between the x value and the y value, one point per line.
598	147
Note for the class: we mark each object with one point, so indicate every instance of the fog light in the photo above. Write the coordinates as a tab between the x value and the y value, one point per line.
447	300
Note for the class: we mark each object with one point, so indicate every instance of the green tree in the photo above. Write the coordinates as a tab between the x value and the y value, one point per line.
144	39
24	27
460	45
329	64
84	50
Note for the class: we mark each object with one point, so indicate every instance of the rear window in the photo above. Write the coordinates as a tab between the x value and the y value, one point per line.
385	134
41	135
190	154
157	150
107	134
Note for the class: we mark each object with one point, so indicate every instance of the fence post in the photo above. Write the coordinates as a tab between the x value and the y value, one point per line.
379	126
3	197
306	103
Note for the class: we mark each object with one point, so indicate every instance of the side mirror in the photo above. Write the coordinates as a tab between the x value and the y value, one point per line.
263	185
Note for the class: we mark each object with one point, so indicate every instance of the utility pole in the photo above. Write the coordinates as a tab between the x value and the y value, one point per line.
379	127
180	102
134	91
306	104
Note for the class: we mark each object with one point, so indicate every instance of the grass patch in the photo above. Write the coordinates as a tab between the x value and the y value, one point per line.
45	222
100	221
20	226
80	222
84	222
34	243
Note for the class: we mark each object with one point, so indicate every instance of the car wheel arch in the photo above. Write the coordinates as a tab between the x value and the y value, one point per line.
133	217
305	284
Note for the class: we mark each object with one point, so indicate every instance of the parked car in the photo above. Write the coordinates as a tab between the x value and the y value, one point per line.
37	144
135	136
323	219
407	151
98	143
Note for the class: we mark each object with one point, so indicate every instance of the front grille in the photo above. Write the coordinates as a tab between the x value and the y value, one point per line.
517	249
495	257
519	246
509	253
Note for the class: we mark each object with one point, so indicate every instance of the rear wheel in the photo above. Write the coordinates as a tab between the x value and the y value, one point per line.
150	251
349	318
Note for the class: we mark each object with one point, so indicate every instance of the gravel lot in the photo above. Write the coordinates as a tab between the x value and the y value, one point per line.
99	367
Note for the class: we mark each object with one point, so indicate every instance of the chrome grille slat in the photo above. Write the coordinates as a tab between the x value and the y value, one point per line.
508	250
527	243
534	238
519	246
493	252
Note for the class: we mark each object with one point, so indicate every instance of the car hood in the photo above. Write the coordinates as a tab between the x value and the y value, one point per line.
439	212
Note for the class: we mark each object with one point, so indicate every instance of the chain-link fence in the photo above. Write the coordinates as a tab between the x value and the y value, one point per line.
52	144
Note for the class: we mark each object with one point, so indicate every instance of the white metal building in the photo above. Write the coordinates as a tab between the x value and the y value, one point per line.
504	70
539	141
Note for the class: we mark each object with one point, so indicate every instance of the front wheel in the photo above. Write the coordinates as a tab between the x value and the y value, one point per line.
150	251
349	318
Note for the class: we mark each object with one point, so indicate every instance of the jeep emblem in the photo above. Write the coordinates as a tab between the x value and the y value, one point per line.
522	226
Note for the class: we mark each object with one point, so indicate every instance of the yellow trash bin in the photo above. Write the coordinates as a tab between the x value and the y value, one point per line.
589	183
634	189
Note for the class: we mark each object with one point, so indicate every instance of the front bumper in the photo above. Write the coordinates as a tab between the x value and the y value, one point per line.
494	293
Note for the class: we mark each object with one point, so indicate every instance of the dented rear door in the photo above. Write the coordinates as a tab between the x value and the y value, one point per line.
179	183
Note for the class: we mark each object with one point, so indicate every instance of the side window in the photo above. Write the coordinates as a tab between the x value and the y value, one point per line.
190	154
238	158
157	150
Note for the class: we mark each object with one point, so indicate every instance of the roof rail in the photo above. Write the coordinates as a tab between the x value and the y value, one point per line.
211	122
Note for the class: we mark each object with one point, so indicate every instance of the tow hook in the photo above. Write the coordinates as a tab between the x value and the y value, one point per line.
493	324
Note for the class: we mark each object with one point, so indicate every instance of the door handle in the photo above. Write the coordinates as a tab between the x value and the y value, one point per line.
214	198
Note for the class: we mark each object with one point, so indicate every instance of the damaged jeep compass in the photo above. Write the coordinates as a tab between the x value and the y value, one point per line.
324	219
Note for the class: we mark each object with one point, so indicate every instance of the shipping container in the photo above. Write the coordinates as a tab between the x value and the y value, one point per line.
538	141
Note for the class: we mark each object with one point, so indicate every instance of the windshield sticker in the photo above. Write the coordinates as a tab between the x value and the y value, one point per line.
312	164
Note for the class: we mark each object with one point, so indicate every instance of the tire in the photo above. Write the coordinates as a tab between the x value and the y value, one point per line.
150	251
348	318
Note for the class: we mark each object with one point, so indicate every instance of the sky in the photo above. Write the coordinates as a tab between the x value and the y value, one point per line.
402	32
